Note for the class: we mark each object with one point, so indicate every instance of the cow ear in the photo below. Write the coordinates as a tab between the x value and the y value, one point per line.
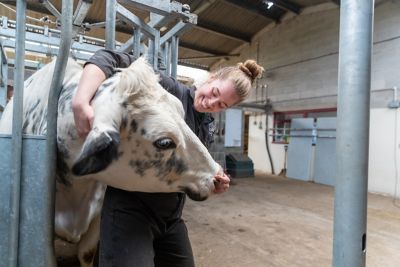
99	150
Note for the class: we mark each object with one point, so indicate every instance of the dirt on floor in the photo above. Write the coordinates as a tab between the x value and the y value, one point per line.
274	221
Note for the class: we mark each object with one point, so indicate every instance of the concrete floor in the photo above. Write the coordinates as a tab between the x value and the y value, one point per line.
278	222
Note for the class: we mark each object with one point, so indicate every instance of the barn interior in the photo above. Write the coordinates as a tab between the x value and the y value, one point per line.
290	183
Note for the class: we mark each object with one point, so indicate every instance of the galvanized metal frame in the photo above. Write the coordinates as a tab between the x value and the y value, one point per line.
34	190
27	211
350	212
3	78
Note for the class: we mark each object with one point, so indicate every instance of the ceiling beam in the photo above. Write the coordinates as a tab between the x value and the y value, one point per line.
193	65
287	5
201	49
210	57
254	9
337	2
215	29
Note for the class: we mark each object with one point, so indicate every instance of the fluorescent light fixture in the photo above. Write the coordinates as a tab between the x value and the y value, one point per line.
269	4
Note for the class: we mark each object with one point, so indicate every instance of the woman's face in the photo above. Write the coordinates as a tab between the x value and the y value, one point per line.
215	95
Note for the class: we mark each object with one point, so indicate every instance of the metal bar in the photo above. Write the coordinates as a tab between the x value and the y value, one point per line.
302	129
110	24
156	49
40	39
16	153
136	42
211	57
81	11
54	50
130	18
51	144
355	43
4	22
161	7
174	56
3	78
41	31
177	30
168	58
51	8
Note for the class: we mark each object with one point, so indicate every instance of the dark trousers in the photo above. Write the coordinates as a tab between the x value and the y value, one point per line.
144	230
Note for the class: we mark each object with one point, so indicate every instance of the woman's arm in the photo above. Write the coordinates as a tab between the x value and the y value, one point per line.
92	77
98	68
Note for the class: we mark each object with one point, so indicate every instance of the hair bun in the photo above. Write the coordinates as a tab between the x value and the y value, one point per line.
251	69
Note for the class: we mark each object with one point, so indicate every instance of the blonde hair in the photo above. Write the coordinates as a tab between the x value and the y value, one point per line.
242	75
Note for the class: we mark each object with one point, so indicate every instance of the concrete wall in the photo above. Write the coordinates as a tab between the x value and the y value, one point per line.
300	56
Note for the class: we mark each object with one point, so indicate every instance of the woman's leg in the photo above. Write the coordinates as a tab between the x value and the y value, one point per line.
173	248
126	237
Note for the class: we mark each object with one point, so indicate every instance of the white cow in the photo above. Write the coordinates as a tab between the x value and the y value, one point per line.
139	142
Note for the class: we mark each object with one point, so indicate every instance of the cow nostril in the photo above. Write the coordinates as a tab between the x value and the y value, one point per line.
216	183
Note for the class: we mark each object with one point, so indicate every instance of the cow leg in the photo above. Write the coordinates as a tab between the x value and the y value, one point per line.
88	244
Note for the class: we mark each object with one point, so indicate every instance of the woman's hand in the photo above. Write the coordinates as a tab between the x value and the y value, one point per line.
221	183
83	116
92	77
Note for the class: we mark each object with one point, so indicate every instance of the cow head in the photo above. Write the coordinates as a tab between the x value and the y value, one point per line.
140	141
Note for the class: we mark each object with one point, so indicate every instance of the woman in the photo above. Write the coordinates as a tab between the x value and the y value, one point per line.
146	229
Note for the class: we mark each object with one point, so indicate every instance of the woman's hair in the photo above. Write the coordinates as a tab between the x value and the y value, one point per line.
242	75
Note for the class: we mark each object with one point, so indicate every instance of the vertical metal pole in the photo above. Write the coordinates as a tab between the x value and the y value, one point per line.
17	134
4	77
349	241
156	48
174	55
168	58
136	42
110	24
51	149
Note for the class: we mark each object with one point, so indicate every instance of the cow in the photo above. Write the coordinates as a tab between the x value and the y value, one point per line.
139	141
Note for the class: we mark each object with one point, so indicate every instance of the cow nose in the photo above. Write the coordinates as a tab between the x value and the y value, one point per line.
216	183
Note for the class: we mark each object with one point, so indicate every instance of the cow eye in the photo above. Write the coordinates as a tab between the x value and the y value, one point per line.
164	143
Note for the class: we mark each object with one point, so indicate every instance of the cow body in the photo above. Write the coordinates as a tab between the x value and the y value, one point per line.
139	142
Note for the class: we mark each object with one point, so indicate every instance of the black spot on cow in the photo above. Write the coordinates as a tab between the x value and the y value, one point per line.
24	126
97	154
65	99
143	131
124	104
176	164
32	107
124	122
134	126
141	166
173	164
62	170
62	148
106	85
